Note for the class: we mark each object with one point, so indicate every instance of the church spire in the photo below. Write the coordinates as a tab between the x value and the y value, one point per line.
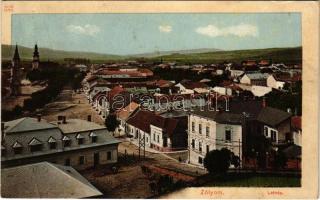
16	55
36	52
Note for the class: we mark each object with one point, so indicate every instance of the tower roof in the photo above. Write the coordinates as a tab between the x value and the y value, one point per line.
16	55
36	52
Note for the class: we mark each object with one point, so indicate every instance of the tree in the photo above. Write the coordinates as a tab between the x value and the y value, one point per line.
217	162
111	122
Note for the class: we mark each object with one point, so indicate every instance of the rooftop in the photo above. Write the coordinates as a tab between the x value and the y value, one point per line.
26	124
256	76
28	181
77	125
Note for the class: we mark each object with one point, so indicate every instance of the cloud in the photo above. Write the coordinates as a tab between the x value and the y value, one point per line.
87	29
165	28
241	30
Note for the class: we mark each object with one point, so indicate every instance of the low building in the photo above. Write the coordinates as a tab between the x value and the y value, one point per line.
255	79
45	180
78	143
124	114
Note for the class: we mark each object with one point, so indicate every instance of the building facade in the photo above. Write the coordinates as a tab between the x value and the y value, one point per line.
210	130
73	142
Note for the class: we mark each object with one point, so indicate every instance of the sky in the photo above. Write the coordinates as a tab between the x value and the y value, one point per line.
124	34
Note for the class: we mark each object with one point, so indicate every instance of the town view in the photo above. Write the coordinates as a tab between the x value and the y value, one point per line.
144	105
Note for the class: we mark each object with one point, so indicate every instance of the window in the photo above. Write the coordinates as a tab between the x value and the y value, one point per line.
207	131
94	139
266	131
154	136
81	160
200	146
67	143
200	128
35	148
192	143
273	136
67	162
17	150
80	139
109	155
207	149
52	145
192	127
200	160
147	139
228	136
158	138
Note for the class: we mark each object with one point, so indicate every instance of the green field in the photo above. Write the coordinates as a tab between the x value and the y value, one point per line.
256	181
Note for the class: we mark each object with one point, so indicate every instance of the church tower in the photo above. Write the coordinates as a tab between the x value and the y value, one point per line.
35	61
15	73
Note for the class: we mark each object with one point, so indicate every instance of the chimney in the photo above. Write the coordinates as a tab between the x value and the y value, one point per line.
89	118
64	120
264	103
39	117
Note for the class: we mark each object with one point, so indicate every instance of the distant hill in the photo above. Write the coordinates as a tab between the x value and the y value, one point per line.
164	53
286	55
26	53
206	55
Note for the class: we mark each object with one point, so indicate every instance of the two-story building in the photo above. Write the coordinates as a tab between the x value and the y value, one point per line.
75	142
210	130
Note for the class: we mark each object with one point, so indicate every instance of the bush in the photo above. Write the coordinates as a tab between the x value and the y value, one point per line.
217	161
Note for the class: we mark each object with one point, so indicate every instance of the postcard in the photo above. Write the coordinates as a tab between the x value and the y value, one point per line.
159	99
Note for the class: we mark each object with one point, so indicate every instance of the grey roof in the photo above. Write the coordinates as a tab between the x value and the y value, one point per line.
77	125
255	76
173	114
272	116
224	117
26	124
45	180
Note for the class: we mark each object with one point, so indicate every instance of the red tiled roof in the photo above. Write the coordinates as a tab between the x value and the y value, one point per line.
114	91
142	120
296	122
134	73
126	112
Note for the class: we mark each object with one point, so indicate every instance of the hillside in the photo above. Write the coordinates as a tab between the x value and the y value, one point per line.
51	54
165	53
285	55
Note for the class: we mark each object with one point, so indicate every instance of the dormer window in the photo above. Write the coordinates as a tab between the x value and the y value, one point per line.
35	145
66	141
3	150
93	137
80	139
17	148
52	143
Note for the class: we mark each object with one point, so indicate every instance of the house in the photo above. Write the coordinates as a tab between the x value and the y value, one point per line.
168	131
187	86
81	68
45	180
273	83
75	142
210	130
276	125
139	126
124	114
254	79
